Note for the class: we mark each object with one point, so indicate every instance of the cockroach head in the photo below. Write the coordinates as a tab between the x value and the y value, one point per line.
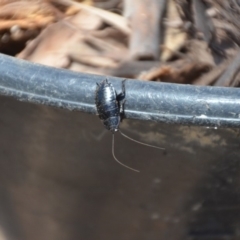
113	130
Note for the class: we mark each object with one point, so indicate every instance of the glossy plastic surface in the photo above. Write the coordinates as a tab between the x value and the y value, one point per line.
159	102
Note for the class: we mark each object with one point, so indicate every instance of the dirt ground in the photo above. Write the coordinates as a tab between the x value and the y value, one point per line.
177	41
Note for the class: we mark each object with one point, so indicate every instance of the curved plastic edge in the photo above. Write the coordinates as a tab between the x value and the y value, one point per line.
159	102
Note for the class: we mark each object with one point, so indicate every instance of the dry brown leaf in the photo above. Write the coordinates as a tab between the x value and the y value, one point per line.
112	19
186	73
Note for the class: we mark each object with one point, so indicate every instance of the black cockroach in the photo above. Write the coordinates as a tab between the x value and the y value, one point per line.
110	110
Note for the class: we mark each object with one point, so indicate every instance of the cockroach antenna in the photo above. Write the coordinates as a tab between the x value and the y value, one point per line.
135	170
145	144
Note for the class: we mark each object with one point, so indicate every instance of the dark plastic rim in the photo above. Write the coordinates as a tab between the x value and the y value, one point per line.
159	102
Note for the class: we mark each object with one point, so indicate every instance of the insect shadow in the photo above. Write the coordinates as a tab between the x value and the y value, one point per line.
110	109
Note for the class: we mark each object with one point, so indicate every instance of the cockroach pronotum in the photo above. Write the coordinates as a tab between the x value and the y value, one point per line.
110	108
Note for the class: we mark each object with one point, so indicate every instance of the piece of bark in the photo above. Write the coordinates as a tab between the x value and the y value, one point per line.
236	81
105	54
112	19
78	67
26	24
174	38
230	73
110	4
227	33
111	49
145	17
128	69
28	15
63	42
94	61
28	10
203	23
185	11
111	34
186	73
198	51
85	20
211	77
229	10
181	71
52	45
184	7
131	69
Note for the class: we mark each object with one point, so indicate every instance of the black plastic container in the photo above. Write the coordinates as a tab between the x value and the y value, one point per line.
58	179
